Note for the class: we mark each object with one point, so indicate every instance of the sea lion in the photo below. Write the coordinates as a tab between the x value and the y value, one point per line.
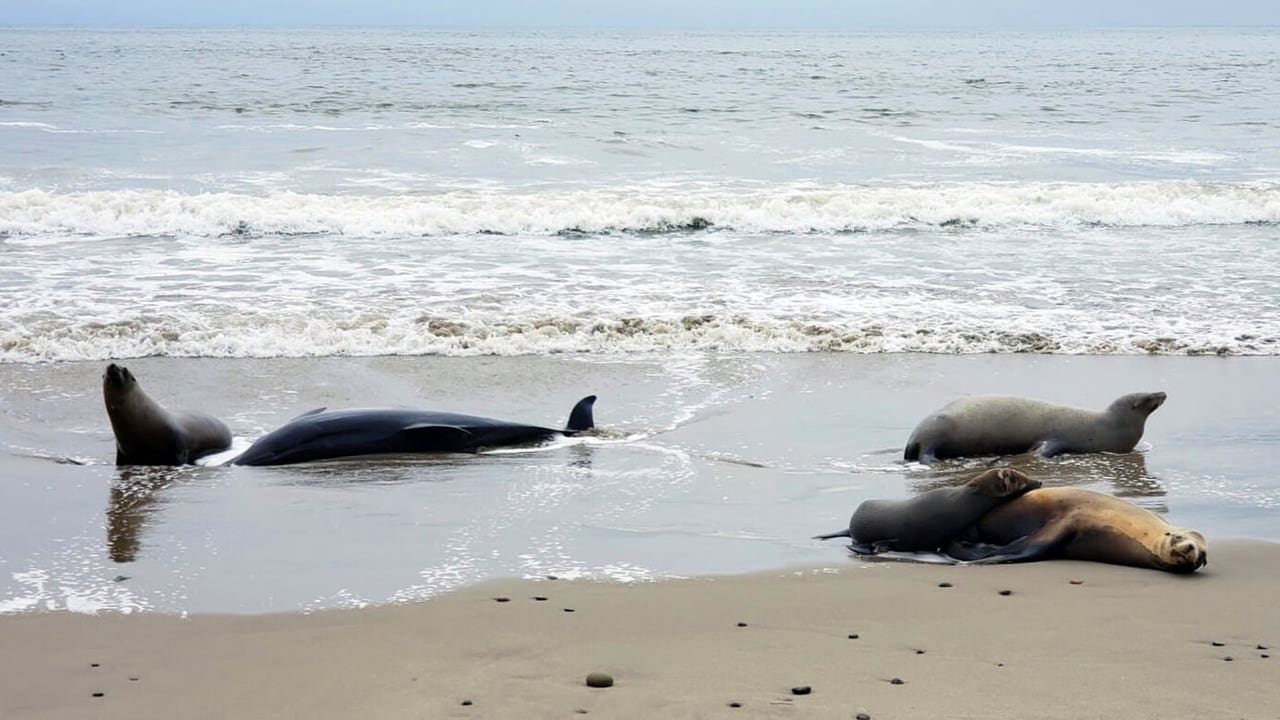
1079	524
321	435
933	518
1004	425
147	434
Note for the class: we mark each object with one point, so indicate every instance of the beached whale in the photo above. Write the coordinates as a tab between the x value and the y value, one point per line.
326	434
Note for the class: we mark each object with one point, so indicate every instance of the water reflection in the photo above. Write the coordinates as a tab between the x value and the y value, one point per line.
1121	474
135	496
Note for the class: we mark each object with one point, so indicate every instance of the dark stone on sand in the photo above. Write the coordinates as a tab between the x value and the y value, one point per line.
735	704
133	679
944	584
1263	647
539	598
94	664
742	624
502	599
896	681
862	716
552	577
1228	658
569	610
1264	656
1215	643
853	636
1077	582
99	694
121	578
999	664
581	711
801	690
1006	592
919	652
466	702
599	680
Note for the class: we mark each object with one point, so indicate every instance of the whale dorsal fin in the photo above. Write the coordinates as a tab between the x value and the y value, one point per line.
310	412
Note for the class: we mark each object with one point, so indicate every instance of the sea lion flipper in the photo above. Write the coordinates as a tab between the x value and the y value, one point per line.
1040	544
1050	448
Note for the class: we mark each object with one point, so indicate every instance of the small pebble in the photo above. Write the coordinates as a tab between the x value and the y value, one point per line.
94	664
539	598
742	624
1215	643
581	711
919	652
1077	582
1264	655
1262	647
862	716
134	679
599	680
466	702
502	599
854	636
1228	658
569	610
98	694
735	704
944	584
896	681
999	664
552	577
1006	592
121	578
801	690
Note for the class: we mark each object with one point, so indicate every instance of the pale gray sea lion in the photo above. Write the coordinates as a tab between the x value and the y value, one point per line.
933	518
1005	425
147	434
1078	524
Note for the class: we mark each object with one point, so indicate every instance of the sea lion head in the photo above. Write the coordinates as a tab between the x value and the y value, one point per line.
116	382
1182	550
1141	404
1004	482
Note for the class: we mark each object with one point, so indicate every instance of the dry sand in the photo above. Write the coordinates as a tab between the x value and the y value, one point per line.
1123	643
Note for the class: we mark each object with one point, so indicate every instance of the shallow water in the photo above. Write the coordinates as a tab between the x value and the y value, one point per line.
268	193
704	464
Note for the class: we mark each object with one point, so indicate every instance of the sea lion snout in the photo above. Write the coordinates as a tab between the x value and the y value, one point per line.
117	375
1187	551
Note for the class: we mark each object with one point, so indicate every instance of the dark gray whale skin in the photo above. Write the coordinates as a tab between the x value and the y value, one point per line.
324	435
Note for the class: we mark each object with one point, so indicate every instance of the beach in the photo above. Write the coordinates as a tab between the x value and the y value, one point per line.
1056	639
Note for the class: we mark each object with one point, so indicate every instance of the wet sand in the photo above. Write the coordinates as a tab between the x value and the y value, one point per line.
1069	640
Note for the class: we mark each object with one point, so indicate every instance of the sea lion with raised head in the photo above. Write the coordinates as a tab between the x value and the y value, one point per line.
1005	425
325	435
147	434
933	518
1078	524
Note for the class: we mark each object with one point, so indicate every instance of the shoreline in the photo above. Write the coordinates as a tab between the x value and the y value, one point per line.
1068	640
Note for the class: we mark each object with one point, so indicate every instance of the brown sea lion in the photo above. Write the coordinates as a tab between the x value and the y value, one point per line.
1005	425
933	518
1079	524
147	434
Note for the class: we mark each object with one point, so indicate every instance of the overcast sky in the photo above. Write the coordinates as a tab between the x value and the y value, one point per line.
646	13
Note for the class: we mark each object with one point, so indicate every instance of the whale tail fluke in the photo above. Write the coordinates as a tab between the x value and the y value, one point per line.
829	536
581	418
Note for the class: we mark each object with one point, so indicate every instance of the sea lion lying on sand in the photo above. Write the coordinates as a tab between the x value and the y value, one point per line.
933	518
147	434
1004	425
1078	524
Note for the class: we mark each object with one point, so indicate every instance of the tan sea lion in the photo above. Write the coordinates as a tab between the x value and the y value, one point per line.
1079	524
147	434
933	518
1005	425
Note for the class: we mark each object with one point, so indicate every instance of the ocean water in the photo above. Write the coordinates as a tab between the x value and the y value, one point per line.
287	192
769	253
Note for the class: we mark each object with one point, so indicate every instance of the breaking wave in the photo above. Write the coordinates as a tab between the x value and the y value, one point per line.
795	209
